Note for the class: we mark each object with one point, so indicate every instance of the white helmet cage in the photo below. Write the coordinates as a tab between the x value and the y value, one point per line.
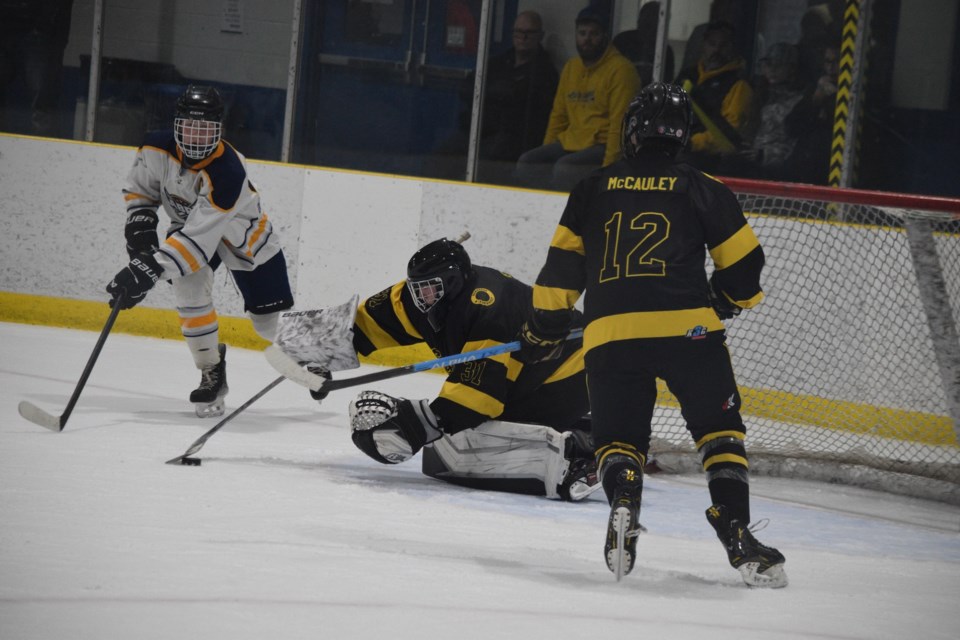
426	293
197	138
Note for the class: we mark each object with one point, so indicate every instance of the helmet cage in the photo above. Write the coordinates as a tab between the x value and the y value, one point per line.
426	293
198	123
197	138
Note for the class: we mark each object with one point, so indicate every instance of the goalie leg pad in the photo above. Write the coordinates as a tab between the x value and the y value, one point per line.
391	430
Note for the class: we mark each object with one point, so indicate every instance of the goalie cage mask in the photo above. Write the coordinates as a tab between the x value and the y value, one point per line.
436	273
658	118
198	124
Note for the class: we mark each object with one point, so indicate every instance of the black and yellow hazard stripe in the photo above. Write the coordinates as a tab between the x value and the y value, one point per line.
842	115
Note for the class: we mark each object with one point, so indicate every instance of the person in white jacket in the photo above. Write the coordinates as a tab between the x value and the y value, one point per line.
215	214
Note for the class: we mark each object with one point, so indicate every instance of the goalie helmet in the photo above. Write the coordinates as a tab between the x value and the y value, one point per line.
658	118
436	273
199	121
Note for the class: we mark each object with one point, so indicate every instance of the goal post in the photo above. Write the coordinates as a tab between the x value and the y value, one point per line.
850	368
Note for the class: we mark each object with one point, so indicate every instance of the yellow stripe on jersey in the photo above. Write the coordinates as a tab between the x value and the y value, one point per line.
129	195
398	310
649	324
734	248
554	298
184	254
261	228
566	240
471	398
379	338
502	358
571	366
750	303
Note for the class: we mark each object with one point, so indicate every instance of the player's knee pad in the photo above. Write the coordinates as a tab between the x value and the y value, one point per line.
265	324
723	455
195	289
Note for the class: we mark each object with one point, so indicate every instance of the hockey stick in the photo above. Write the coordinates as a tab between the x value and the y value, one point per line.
199	442
291	368
36	415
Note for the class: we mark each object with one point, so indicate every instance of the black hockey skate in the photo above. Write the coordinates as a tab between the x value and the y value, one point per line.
624	526
208	397
581	478
323	373
759	565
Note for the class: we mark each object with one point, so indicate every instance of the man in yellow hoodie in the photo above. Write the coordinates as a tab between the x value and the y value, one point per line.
584	129
720	97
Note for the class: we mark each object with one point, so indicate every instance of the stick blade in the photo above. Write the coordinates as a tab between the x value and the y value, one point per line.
36	415
291	369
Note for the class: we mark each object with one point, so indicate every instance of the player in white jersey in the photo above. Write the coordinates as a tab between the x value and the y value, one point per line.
201	182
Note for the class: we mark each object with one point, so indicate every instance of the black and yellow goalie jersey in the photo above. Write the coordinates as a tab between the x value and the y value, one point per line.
489	311
634	236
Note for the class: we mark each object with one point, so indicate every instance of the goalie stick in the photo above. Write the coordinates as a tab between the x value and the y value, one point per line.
38	416
292	369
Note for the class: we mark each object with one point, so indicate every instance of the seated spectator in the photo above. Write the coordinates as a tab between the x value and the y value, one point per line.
777	92
811	121
639	46
584	129
720	97
518	95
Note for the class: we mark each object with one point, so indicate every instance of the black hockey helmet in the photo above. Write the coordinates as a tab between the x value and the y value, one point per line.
659	117
203	108
435	273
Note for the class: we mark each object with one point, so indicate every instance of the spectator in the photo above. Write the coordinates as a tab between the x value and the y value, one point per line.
811	121
583	133
520	86
640	45
721	98
778	91
34	36
733	11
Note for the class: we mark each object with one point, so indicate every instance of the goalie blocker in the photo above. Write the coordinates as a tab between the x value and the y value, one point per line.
497	455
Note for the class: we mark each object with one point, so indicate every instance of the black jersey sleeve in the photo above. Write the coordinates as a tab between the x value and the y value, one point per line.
563	277
736	252
382	322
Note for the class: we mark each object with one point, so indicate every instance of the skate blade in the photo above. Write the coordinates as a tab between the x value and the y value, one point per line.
773	578
617	558
580	490
209	409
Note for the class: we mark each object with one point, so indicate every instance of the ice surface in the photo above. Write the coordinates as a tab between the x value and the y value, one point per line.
288	531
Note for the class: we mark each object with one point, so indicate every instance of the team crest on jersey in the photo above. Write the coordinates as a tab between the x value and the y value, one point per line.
181	206
482	297
699	332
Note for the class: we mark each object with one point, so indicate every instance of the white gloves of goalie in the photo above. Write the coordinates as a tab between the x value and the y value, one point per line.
391	430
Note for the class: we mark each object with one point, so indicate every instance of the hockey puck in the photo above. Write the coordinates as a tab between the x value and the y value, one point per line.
191	462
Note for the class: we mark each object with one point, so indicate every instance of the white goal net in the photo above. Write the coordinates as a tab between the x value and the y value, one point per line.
850	368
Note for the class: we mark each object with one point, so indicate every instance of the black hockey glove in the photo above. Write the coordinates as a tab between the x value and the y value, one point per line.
132	283
537	345
391	430
141	232
722	305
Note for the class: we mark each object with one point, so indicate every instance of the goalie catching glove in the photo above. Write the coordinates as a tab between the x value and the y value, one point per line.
391	430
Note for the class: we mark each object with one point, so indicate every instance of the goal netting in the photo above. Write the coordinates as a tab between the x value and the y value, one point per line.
850	368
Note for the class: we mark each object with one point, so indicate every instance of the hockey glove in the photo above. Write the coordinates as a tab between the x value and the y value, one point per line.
721	304
391	430
537	345
141	232
133	282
